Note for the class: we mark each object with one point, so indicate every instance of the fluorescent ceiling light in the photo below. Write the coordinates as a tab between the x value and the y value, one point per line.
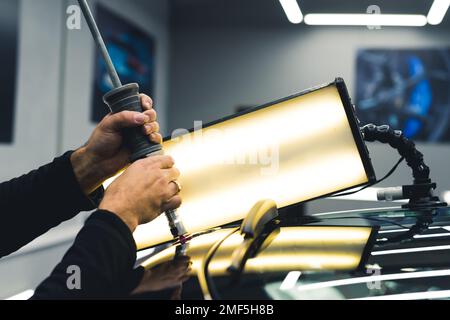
410	250
437	11
441	294
291	280
292	10
22	296
434	235
393	230
446	196
330	19
376	278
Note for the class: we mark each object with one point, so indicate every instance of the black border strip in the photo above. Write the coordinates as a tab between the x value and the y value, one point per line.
353	121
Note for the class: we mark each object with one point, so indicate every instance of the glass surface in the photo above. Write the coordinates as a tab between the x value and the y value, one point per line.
372	254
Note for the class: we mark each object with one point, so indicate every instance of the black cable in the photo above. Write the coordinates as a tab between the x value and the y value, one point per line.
371	184
207	259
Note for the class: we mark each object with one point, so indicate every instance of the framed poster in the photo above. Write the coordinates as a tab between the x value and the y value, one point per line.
9	20
406	89
133	53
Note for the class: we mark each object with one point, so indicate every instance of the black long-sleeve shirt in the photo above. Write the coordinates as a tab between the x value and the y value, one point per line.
38	201
104	251
99	265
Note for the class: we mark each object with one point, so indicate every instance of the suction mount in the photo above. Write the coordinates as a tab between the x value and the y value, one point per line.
420	193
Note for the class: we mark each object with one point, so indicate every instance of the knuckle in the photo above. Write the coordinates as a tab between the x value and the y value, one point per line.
170	161
153	161
162	183
152	114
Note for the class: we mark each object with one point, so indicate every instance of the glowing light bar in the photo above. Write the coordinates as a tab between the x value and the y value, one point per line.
22	296
440	294
292	10
292	150
291	280
446	196
410	250
388	277
437	11
331	19
435	235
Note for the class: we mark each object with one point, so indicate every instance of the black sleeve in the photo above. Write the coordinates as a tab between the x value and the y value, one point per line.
104	253
38	201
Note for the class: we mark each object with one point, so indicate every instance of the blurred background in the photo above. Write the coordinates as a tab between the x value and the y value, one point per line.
203	60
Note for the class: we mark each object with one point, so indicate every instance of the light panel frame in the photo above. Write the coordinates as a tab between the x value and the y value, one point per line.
143	233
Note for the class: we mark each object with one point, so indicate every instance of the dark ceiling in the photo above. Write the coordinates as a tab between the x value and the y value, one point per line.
270	13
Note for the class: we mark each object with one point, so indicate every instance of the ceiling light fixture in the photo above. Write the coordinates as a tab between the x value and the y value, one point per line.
330	19
437	11
292	10
435	16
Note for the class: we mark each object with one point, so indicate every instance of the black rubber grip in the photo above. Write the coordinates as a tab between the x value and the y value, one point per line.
127	98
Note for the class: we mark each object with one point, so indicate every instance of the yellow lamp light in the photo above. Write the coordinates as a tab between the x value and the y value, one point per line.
293	150
307	248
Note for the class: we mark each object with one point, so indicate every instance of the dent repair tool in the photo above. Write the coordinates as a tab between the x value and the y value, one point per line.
126	97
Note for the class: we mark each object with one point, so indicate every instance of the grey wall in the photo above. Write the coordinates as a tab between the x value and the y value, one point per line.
37	85
53	102
151	16
215	69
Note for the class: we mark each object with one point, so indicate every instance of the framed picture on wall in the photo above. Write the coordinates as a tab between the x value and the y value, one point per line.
9	20
406	89
133	53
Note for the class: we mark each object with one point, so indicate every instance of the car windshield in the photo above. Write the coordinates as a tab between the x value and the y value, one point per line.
366	254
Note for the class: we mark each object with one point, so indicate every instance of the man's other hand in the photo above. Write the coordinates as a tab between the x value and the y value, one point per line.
144	191
167	275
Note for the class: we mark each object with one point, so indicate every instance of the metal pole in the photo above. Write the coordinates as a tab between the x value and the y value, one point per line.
100	43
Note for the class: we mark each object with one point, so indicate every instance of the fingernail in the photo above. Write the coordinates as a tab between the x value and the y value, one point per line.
148	128
141	118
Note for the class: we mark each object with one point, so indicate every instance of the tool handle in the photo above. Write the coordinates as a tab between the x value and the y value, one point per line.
127	98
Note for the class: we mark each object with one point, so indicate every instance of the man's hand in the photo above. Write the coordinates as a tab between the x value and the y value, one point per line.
144	191
170	274
105	155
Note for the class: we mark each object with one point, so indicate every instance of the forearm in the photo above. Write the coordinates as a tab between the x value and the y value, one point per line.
104	252
38	201
89	174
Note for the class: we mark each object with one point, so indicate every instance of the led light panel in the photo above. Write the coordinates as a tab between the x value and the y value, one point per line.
293	150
